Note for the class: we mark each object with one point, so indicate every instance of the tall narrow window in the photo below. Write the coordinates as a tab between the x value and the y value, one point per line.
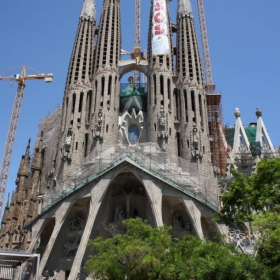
161	85
178	144
73	103
200	110
193	105
81	102
177	104
186	105
66	110
169	93
102	86
86	144
89	100
161	90
155	89
110	85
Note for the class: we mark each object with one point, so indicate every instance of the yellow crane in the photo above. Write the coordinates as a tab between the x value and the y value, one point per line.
8	150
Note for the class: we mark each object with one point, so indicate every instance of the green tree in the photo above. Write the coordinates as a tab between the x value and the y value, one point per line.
137	254
256	199
144	252
250	195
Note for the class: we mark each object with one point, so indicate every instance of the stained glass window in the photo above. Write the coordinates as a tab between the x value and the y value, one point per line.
133	134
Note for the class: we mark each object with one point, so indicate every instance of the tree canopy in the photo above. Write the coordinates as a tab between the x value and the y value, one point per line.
256	199
144	252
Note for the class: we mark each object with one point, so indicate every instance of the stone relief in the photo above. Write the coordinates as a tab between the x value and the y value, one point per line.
71	245
162	124
76	224
242	238
180	224
76	227
196	152
65	150
97	133
119	213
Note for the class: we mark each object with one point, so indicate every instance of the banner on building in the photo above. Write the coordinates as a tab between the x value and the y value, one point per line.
160	40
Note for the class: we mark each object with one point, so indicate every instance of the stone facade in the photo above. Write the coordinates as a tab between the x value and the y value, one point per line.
113	152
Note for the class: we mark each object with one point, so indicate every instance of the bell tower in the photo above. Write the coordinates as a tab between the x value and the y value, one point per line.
74	134
194	142
161	98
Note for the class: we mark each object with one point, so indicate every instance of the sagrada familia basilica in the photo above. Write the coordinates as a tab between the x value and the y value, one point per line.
117	150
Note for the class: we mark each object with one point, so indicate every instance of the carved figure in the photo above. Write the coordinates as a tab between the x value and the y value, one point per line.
99	119
97	133
162	118
76	224
178	222
71	245
119	213
68	139
127	197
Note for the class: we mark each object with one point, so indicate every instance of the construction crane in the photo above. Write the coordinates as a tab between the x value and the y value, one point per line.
20	78
209	86
137	54
214	107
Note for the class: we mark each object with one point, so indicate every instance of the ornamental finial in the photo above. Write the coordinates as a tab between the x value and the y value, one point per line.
237	113
184	8
258	112
89	10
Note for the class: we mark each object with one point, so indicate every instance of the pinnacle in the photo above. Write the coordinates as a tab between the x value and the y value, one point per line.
89	10
184	7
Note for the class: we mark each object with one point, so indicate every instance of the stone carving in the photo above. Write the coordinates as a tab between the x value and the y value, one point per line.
76	227
119	213
180	224
127	198
98	126
77	224
242	238
65	150
162	118
71	245
68	140
196	152
162	124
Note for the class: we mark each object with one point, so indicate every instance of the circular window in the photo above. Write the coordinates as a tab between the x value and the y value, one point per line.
133	134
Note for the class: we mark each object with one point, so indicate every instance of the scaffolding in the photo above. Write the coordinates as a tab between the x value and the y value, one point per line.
183	175
218	143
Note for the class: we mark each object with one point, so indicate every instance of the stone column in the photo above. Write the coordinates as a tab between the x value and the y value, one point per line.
155	197
60	216
195	216
36	231
97	195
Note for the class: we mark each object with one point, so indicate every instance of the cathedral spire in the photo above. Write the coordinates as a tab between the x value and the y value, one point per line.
77	98
89	10
184	8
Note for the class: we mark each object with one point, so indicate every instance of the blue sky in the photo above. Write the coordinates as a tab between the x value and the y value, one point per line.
244	41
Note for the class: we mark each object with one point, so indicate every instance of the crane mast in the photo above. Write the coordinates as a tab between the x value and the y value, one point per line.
137	54
218	143
10	139
209	86
137	26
